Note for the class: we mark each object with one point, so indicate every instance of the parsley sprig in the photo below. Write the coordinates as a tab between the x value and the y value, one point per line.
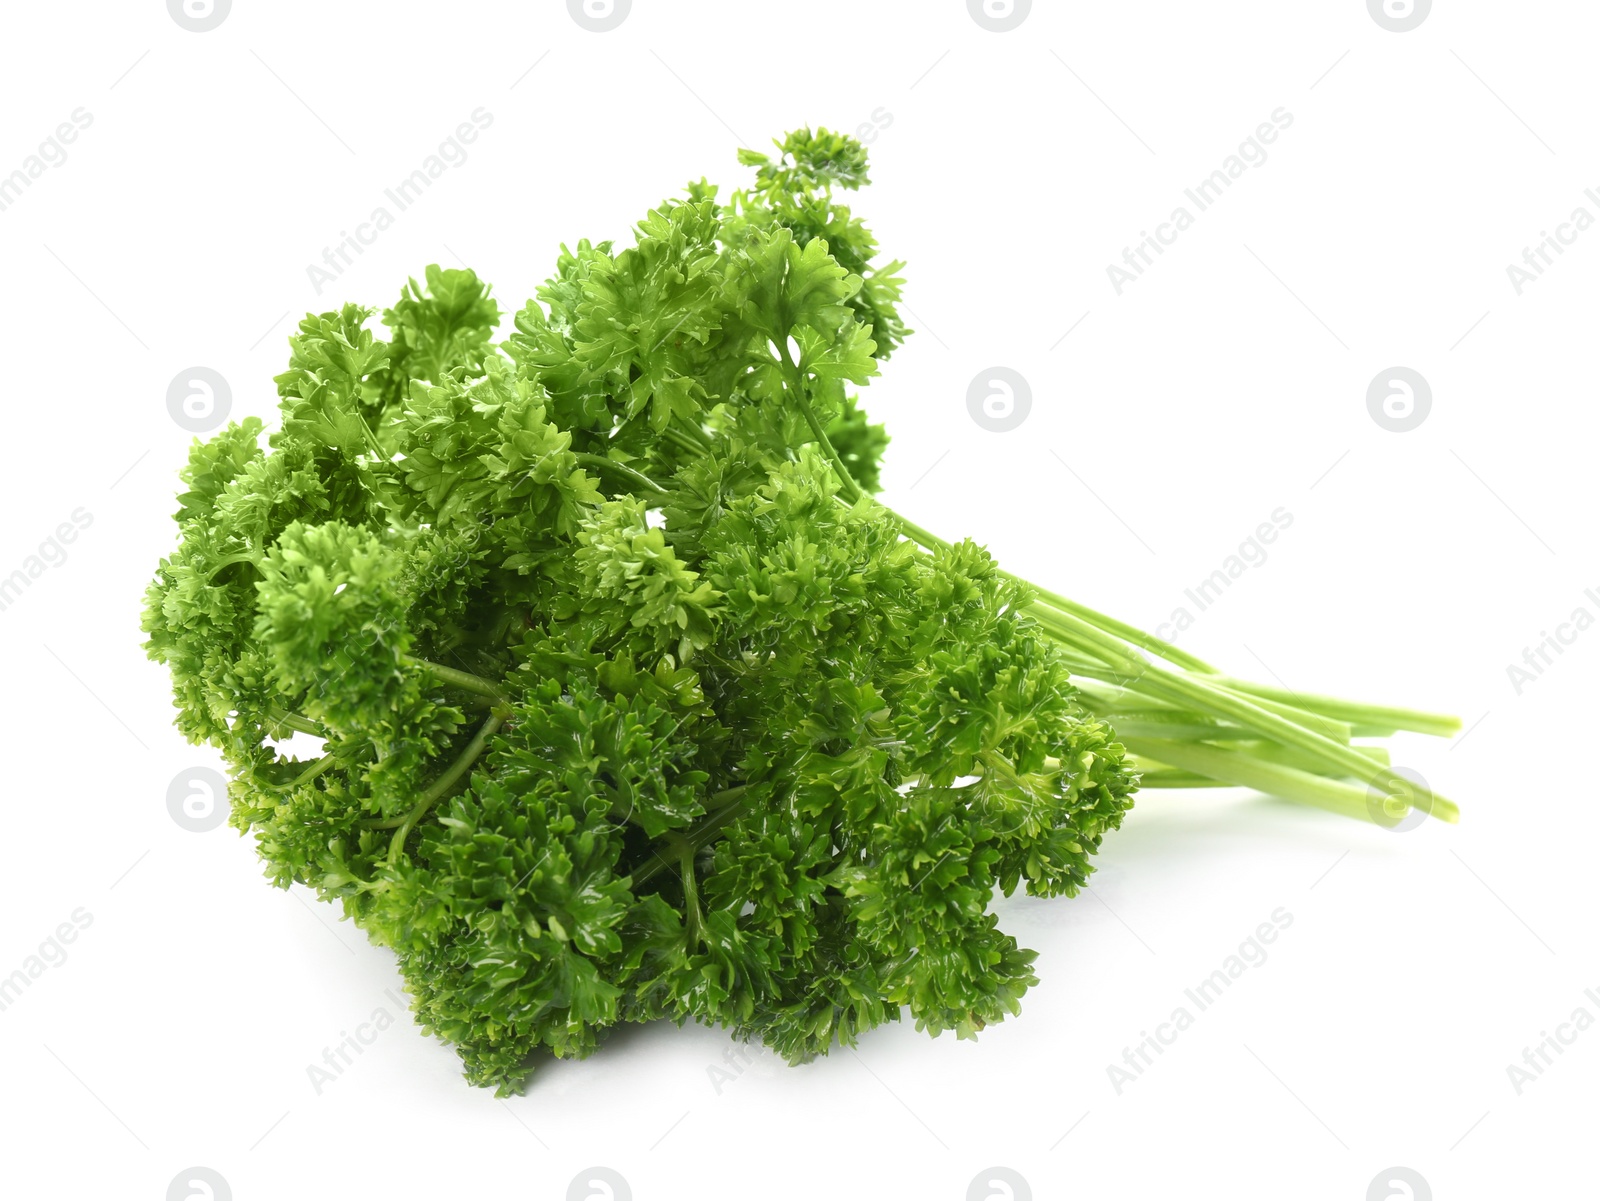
634	702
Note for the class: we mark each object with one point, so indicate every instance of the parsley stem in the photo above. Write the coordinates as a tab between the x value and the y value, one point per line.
699	836
621	470
1289	733
1277	779
244	556
794	387
1110	625
1156	775
1131	683
465	680
687	436
691	891
1126	632
1373	719
1325	740
923	538
305	777
282	719
441	786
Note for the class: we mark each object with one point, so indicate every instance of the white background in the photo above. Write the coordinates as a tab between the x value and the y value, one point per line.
1227	382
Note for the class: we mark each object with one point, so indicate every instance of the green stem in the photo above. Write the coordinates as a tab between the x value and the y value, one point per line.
794	386
244	556
1128	633
1354	712
440	787
1177	731
305	777
1346	760
1275	779
1172	654
691	890
1155	775
926	539
1128	667
728	796
382	456
284	720
1204	695
1138	676
465	680
697	837
622	471
1274	752
688	436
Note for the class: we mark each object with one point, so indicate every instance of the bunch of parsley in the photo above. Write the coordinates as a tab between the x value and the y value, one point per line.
633	702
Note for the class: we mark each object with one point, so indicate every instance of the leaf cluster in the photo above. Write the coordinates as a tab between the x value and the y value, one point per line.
632	705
